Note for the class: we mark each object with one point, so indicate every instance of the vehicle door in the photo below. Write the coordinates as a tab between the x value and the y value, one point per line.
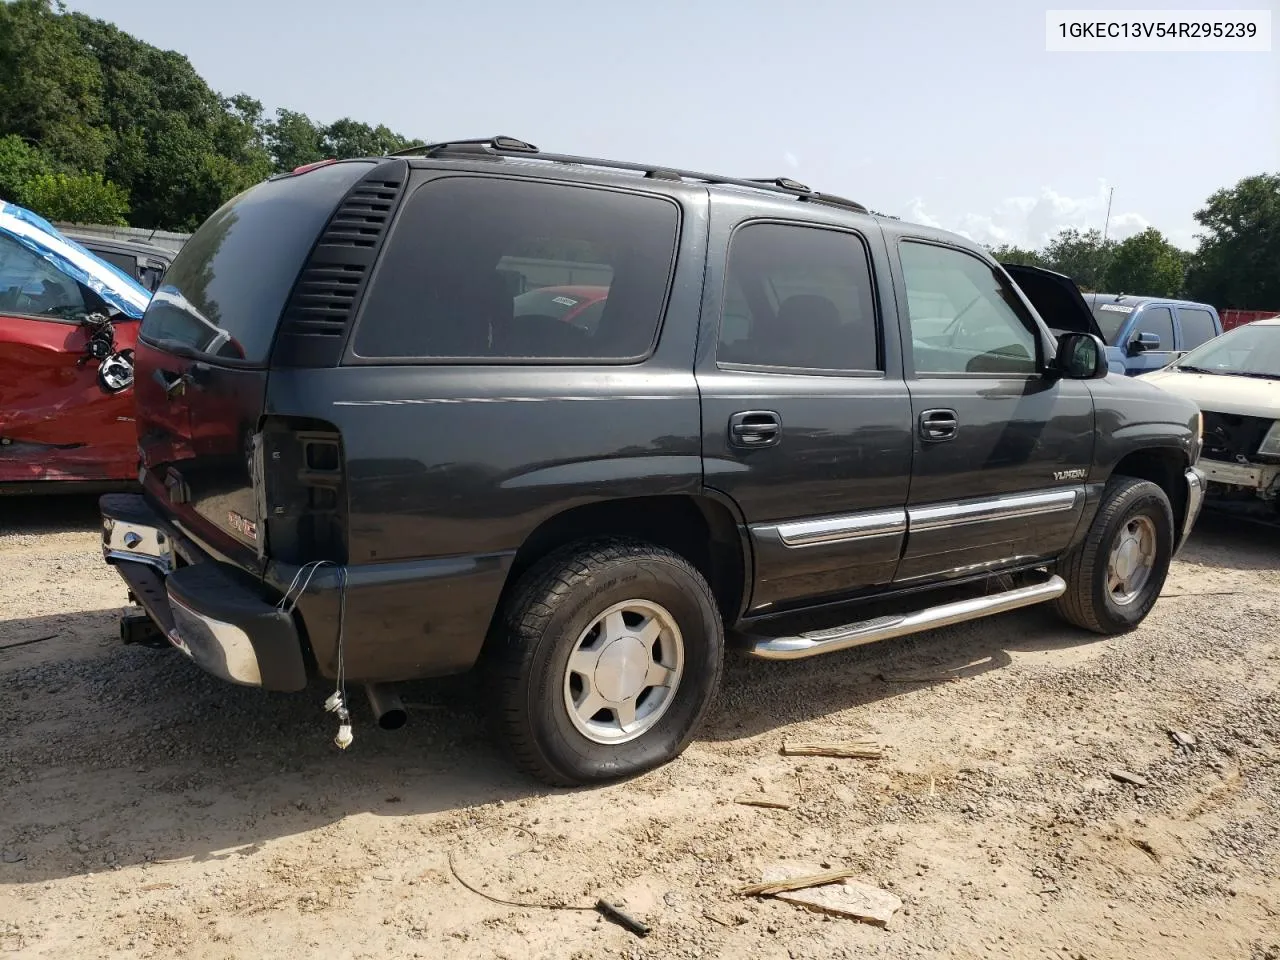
1002	448
1150	343
57	420
806	419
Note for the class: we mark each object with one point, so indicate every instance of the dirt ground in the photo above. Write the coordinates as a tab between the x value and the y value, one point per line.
147	810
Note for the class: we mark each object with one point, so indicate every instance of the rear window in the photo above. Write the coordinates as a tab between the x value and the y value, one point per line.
470	259
224	292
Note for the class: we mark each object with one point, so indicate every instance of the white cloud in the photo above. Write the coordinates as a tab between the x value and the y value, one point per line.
791	160
1033	221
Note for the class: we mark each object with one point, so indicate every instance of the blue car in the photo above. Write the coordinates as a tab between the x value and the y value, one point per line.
1148	333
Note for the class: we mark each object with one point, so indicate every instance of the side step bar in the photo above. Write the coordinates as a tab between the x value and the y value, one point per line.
883	628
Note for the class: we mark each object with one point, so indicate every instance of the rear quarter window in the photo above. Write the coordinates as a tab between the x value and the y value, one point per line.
224	292
465	248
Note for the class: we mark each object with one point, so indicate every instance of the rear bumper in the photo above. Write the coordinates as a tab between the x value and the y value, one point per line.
1195	500
206	609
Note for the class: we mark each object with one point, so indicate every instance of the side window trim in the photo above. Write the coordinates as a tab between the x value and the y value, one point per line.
1026	317
1147	312
877	307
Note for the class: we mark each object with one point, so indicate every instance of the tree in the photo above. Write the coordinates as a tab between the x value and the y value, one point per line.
50	87
1238	262
85	198
292	140
1009	253
1146	264
348	138
20	163
1081	256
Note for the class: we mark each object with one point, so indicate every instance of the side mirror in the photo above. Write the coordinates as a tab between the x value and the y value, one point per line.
1081	356
1144	343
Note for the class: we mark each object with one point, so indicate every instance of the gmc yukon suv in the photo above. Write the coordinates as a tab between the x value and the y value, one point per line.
791	427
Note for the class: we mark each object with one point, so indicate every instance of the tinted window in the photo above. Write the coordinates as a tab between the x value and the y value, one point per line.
964	316
1197	327
31	285
464	249
225	290
798	297
125	262
1157	320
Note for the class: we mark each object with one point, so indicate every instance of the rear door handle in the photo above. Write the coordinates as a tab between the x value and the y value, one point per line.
755	428
937	425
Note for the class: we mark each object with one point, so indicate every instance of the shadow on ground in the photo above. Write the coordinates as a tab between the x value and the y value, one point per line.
119	755
56	513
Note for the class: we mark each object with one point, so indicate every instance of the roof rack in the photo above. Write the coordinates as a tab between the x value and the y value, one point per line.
503	146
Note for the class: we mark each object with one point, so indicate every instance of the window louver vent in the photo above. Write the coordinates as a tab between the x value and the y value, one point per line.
324	297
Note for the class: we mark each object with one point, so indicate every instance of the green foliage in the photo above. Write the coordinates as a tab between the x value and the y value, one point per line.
87	98
1083	256
1147	265
292	140
51	90
1008	253
20	163
1238	262
83	198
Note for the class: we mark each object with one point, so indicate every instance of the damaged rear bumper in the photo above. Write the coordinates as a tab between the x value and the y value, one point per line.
204	608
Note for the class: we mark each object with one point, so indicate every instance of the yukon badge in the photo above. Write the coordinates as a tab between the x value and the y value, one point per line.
1078	474
242	525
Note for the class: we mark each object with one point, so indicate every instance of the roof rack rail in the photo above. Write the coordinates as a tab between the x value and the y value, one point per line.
501	146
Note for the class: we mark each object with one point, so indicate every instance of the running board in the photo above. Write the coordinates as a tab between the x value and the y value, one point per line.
883	628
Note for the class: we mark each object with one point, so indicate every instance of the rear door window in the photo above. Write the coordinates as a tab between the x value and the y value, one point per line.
1197	327
224	292
800	297
492	269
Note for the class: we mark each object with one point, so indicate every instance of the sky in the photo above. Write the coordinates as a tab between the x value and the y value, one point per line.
945	113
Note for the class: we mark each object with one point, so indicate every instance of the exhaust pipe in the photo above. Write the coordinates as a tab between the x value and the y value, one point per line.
387	707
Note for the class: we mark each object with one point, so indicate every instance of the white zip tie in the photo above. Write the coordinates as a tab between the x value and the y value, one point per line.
336	702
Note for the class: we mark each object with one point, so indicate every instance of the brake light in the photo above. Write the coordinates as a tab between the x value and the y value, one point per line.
308	167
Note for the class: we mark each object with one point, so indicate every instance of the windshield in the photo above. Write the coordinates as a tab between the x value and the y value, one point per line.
1111	317
1250	351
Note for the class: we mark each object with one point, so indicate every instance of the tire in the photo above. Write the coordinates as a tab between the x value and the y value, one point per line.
1091	600
553	607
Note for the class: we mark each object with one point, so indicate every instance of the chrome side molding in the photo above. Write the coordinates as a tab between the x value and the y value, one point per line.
853	526
943	515
883	628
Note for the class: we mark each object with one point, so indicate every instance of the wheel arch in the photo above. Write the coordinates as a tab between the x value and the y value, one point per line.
1163	466
702	529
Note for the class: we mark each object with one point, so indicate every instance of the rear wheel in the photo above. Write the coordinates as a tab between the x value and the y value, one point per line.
609	656
1116	574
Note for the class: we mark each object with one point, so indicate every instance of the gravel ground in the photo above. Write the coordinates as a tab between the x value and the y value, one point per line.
147	810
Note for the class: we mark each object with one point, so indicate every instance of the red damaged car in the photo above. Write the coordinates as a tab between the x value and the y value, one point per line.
68	323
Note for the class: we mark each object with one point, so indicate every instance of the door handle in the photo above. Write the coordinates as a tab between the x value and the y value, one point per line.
755	428
938	425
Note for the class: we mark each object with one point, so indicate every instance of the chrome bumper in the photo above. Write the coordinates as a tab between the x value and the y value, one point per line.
1195	500
206	611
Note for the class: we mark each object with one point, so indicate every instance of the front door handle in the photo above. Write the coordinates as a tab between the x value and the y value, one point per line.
937	425
755	428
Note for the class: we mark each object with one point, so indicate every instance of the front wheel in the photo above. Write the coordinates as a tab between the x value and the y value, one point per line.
609	656
1116	574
